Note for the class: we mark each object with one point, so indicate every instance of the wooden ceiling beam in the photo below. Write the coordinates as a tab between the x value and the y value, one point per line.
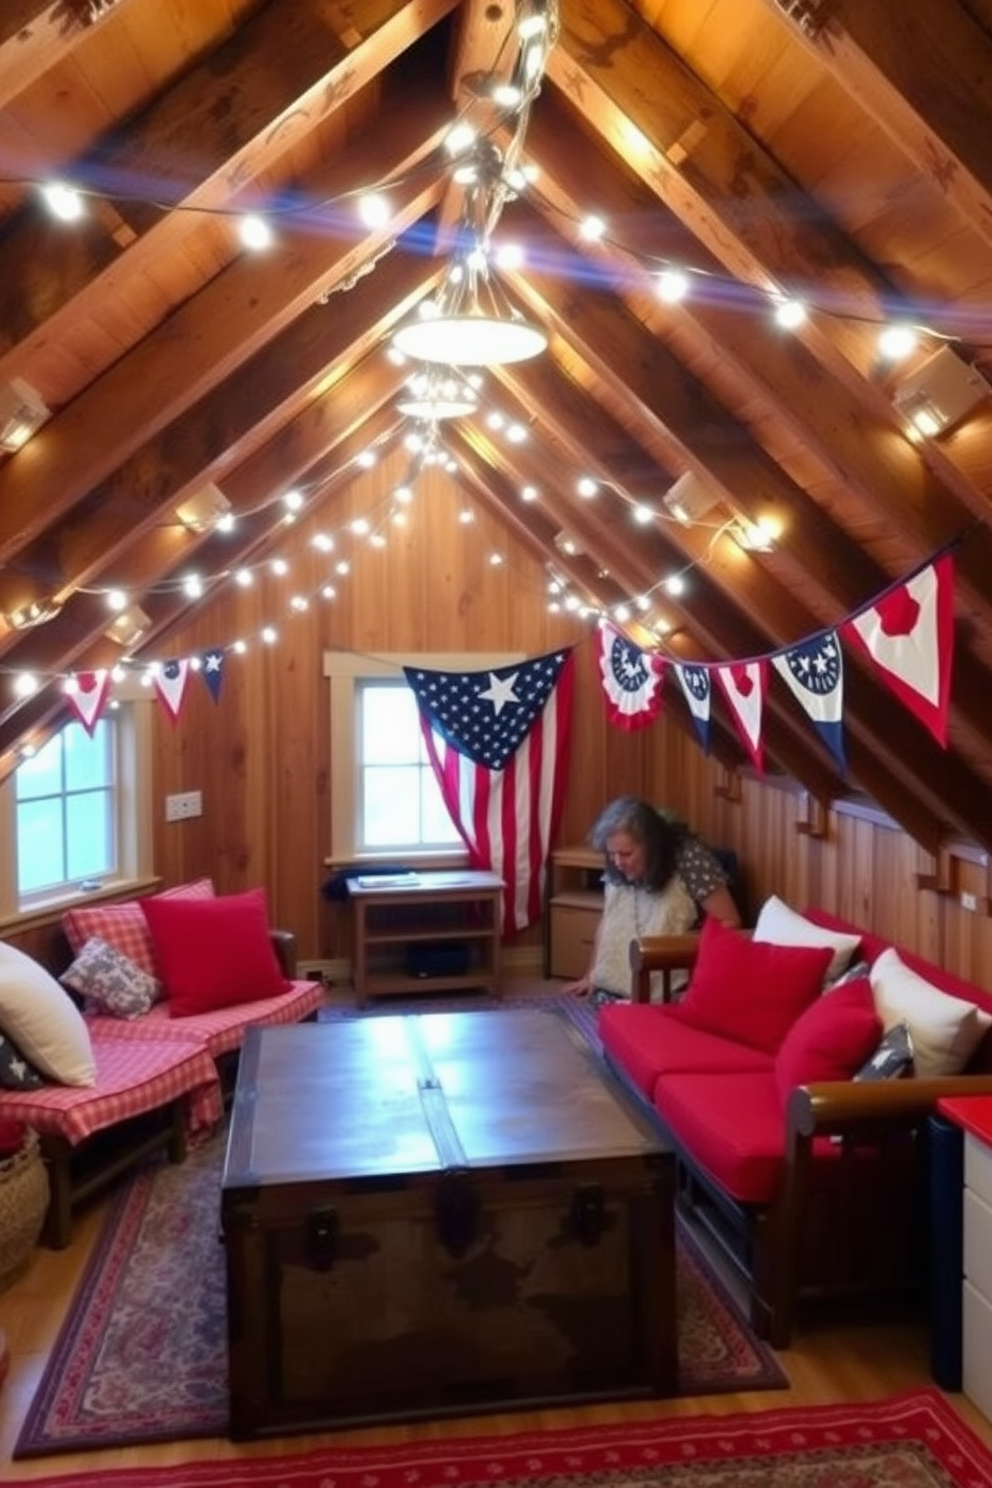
149	486
913	765
870	457
232	317
198	148
923	71
35	35
658	390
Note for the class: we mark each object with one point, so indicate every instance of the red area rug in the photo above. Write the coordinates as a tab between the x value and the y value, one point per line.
142	1355
915	1440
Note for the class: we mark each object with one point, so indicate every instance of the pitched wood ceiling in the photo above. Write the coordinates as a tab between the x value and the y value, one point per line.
835	151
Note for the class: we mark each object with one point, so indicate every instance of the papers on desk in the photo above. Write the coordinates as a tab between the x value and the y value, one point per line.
386	880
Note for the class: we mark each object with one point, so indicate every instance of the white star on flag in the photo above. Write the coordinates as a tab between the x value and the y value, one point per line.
500	691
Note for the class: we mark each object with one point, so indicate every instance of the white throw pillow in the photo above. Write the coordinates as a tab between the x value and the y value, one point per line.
780	925
945	1030
43	1021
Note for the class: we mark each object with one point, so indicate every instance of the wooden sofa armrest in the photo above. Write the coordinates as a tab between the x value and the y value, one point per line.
284	945
843	1105
664	953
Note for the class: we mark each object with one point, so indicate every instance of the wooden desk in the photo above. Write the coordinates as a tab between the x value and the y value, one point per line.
461	908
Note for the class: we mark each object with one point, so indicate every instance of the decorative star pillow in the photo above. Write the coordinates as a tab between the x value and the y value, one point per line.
16	1072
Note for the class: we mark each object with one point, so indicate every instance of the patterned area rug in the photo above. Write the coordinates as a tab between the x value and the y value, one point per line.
142	1356
910	1441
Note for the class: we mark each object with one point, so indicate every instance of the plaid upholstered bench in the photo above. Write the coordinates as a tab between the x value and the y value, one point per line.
149	1094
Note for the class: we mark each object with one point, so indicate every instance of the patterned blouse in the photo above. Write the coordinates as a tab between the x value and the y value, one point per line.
630	911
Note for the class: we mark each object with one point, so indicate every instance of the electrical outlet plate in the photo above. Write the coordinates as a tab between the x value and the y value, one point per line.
186	804
969	901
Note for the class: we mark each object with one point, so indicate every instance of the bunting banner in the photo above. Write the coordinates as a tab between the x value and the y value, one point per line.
170	684
909	634
631	679
88	697
695	684
744	685
212	671
813	671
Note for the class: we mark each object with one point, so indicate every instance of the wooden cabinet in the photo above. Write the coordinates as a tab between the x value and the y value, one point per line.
435	911
977	1293
575	903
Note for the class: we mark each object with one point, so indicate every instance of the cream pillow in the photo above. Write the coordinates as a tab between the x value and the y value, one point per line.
41	1018
945	1030
780	925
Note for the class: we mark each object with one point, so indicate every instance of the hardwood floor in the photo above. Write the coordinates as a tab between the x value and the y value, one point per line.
833	1359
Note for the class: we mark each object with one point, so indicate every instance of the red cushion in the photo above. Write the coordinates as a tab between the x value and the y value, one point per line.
750	991
646	1041
731	1126
213	953
123	924
831	1040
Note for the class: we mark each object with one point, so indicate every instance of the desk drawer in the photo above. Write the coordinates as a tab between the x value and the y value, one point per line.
977	1374
978	1167
978	1242
573	934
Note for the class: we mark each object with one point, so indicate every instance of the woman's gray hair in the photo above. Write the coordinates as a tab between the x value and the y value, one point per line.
660	835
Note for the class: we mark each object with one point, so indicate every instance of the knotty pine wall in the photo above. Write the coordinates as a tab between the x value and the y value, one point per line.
261	755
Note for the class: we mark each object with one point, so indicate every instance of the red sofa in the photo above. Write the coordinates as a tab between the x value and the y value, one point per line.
815	1187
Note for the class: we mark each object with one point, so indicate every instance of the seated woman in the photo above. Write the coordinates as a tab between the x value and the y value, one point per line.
659	879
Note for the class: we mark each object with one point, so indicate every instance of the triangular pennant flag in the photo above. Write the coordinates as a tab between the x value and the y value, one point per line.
813	671
88	696
744	684
170	684
631	679
695	684
909	634
212	670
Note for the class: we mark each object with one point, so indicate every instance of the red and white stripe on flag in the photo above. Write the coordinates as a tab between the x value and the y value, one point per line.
909	634
744	685
87	693
509	817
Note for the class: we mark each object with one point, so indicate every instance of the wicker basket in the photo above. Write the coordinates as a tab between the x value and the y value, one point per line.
23	1201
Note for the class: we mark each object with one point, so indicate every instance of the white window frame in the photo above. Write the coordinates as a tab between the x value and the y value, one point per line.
344	670
133	802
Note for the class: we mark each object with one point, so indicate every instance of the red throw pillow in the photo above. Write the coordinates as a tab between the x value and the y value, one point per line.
213	953
831	1040
750	991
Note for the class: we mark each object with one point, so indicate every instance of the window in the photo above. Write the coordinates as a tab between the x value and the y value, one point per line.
77	816
66	810
385	803
400	802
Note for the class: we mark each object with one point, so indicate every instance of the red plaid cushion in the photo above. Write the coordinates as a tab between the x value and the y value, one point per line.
124	926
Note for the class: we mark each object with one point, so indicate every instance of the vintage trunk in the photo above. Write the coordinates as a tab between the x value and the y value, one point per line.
434	1214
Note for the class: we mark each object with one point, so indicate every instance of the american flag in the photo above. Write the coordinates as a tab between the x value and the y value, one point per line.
498	742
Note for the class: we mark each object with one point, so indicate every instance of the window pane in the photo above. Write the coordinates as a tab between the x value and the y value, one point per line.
40	863
87	761
390	728
437	826
391	806
89	831
41	774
